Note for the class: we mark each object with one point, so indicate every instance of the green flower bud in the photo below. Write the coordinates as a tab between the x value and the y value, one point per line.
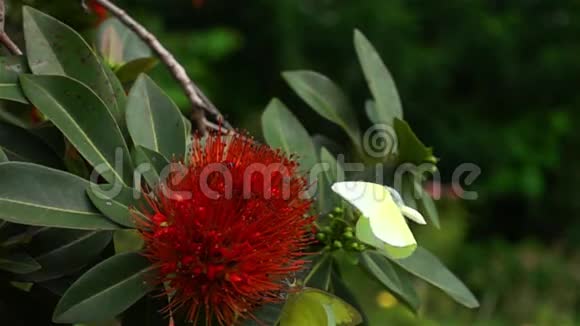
353	245
320	236
348	235
337	244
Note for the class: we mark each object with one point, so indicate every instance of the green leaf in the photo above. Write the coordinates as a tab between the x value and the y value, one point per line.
20	145
61	252
388	104
410	148
116	202
118	44
74	162
282	130
415	196
147	312
132	69
427	207
3	157
326	98
154	121
150	163
363	288
36	195
308	308
327	199
378	266
320	275
127	241
268	314
119	93
426	266
371	111
18	263
10	69
84	120
105	290
54	48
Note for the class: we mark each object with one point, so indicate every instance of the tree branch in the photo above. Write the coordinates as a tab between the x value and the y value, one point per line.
198	100
4	38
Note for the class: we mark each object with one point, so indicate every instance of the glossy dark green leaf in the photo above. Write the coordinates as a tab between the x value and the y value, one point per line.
10	69
118	44
377	265
84	120
154	121
387	101
116	203
426	266
54	48
20	145
410	148
106	290
36	195
150	164
132	69
326	98
18	263
282	130
61	252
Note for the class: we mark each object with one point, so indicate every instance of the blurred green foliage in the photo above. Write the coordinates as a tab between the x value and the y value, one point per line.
489	82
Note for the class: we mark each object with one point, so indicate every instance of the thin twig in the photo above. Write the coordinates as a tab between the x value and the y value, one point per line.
199	101
4	38
216	127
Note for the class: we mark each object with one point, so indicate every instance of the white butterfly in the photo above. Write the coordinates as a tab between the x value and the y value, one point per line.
383	225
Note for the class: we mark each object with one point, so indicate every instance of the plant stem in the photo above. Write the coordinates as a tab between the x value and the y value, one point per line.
4	38
199	101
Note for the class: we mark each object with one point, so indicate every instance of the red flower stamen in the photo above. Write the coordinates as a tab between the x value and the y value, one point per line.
229	228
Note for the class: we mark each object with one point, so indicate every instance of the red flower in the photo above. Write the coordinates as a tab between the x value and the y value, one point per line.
228	229
98	9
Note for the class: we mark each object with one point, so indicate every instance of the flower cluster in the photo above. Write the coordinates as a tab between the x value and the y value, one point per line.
227	230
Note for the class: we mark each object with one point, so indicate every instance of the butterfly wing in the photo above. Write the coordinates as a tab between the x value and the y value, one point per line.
375	202
316	307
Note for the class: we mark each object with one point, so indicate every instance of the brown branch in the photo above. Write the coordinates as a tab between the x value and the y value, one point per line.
4	38
198	100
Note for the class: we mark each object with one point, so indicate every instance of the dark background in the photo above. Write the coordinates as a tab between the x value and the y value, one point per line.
495	83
